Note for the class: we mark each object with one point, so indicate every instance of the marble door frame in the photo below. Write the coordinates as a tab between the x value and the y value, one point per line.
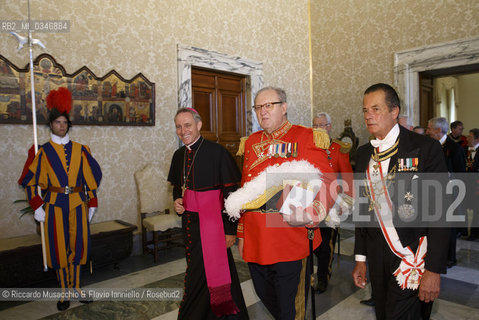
408	64
191	56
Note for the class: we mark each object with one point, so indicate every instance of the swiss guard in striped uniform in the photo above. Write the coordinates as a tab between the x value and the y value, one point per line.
69	177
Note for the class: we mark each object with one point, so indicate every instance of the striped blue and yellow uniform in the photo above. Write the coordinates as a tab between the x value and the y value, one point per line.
67	231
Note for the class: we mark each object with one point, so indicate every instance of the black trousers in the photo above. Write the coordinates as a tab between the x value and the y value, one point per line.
451	254
325	253
391	301
277	287
475	224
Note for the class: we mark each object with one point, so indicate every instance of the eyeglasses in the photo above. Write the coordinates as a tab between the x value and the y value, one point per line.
268	106
321	125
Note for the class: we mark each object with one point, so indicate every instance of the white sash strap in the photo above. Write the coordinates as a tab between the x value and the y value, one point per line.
411	268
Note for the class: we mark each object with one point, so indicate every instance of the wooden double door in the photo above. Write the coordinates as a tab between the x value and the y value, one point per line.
220	99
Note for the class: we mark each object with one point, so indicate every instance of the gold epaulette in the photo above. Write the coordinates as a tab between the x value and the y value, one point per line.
321	138
345	147
241	146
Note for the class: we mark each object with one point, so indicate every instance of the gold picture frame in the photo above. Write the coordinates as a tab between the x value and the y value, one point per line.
109	100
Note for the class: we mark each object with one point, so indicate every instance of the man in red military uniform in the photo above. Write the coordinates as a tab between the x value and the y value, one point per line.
338	158
275	251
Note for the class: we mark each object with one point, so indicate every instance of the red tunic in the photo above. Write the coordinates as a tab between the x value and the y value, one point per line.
264	244
339	162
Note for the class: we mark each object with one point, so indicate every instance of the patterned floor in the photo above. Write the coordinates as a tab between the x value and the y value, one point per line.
459	297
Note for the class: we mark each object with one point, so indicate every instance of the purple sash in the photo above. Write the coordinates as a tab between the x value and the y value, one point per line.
208	204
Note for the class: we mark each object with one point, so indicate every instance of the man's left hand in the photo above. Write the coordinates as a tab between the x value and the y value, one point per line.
230	240
430	286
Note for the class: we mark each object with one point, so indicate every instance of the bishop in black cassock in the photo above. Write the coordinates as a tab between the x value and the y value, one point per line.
199	168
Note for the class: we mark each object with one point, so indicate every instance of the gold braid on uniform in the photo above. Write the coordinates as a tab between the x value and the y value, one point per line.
241	146
321	138
386	154
378	157
345	147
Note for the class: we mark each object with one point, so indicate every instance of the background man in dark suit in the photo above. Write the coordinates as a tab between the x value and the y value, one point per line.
472	151
457	127
456	163
400	152
455	157
473	167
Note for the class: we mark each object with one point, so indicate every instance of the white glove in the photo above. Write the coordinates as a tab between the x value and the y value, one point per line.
91	213
39	214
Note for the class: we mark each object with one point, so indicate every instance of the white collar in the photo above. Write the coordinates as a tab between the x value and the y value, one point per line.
443	139
388	141
476	146
59	140
191	144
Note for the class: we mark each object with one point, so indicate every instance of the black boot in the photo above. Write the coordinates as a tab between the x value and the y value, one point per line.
321	286
63	305
368	302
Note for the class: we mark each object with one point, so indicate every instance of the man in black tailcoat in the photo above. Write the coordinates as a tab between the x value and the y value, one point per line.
393	167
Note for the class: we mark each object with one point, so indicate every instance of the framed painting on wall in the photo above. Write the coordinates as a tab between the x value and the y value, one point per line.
109	100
